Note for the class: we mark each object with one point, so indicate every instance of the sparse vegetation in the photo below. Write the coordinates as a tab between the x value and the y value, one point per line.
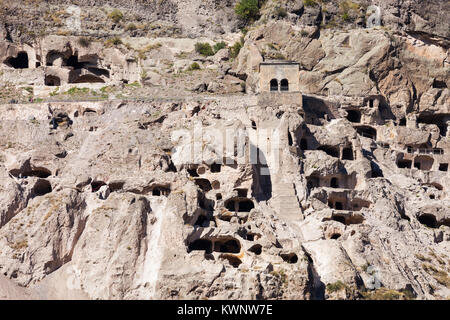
387	294
194	66
281	275
219	46
130	27
422	257
309	3
280	12
113	42
142	54
204	49
236	48
247	10
336	286
76	91
19	245
135	84
116	15
440	276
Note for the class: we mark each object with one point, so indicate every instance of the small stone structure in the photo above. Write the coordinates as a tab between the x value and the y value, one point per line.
279	76
279	83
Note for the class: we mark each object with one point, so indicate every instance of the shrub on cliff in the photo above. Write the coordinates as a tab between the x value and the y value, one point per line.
247	10
204	49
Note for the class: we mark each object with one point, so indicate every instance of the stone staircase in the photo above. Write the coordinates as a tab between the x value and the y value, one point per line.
285	200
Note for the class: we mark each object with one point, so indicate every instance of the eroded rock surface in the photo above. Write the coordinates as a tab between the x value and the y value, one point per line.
133	196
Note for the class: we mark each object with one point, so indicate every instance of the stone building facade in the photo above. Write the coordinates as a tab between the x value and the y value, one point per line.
281	76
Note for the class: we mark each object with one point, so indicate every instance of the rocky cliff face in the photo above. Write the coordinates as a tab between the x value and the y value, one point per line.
116	182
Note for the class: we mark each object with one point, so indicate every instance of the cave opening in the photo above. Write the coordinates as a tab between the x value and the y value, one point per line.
440	120
367	132
192	172
404	164
202	221
200	245
204	184
428	220
52	81
245	205
88	78
304	144
73	62
256	249
340	219
96	185
334	183
335	236
216	167
347	154
439	84
331	151
289	257
42	187
19	62
227	246
354	116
